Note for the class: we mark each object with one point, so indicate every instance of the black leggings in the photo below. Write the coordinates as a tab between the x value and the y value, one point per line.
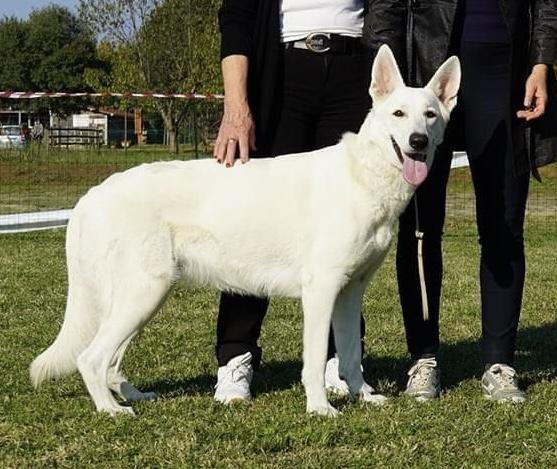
323	97
500	207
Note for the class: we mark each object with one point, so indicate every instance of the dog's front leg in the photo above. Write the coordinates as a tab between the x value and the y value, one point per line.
318	299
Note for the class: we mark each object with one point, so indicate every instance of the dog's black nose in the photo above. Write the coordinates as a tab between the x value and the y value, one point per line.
418	141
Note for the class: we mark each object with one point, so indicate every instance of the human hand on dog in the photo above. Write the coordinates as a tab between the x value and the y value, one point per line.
237	130
236	134
535	97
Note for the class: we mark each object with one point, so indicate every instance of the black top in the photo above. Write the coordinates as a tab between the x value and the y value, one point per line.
252	28
483	22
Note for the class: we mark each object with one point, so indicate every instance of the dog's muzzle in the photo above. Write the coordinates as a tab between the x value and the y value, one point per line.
417	156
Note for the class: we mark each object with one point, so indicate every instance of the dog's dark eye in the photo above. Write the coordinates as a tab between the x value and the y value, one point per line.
430	114
398	113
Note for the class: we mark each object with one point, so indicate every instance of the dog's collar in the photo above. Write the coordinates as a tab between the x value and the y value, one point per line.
397	150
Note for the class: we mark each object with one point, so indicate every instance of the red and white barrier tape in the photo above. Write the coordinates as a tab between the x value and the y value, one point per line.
47	94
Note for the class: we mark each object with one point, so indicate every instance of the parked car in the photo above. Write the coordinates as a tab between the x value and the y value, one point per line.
12	136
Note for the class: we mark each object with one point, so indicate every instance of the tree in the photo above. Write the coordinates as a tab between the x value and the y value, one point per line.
60	49
51	50
167	47
14	72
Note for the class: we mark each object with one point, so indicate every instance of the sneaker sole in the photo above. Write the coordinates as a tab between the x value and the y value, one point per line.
421	398
232	400
236	400
505	400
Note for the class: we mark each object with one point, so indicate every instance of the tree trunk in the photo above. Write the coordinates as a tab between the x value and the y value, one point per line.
173	140
171	127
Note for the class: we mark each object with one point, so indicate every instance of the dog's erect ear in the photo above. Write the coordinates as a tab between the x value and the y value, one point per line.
446	81
385	76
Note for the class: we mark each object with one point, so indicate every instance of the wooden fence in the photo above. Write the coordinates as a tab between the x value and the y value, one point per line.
74	136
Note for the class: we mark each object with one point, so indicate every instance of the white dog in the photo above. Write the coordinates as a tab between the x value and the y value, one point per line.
314	225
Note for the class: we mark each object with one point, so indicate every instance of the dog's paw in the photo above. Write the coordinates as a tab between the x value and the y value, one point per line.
325	411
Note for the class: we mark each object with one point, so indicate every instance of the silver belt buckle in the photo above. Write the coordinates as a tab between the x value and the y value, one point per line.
318	42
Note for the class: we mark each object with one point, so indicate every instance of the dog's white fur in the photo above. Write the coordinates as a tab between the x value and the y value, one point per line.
314	225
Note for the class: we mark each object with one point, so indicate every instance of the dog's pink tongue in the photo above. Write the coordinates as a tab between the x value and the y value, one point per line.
414	172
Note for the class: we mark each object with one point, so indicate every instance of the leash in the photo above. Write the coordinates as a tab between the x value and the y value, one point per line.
420	237
418	233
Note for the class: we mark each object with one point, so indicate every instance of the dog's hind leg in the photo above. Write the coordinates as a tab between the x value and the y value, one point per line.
318	299
135	300
120	385
346	328
346	331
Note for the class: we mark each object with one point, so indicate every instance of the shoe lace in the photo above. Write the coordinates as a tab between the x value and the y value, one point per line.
239	373
505	375
236	373
421	372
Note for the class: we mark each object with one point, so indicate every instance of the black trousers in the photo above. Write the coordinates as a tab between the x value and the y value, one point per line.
483	114
323	96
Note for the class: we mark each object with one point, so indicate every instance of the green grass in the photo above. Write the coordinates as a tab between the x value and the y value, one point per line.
57	426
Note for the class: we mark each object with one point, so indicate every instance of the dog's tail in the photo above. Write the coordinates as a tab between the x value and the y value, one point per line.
80	325
76	334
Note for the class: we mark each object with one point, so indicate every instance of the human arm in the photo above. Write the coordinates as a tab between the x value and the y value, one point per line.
535	95
543	53
237	131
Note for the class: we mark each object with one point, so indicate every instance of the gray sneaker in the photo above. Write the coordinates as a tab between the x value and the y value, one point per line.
499	383
424	382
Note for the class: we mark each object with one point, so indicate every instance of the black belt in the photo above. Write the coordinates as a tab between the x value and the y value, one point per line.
320	43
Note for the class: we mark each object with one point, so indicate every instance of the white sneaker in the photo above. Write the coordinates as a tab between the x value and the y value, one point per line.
234	379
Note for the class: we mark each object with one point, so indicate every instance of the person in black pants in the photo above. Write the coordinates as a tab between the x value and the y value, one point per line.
493	48
303	85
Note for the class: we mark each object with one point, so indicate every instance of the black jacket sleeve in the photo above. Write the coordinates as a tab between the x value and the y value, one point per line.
543	47
385	23
237	25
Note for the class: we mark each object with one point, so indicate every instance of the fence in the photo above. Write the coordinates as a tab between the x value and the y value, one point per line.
40	181
66	137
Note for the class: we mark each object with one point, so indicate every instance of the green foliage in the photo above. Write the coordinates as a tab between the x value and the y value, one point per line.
163	46
60	49
120	75
14	72
179	46
169	46
52	50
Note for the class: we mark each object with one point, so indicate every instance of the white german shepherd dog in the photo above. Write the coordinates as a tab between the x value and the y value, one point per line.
315	226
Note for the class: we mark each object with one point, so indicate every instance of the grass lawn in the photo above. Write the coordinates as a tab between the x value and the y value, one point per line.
57	426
